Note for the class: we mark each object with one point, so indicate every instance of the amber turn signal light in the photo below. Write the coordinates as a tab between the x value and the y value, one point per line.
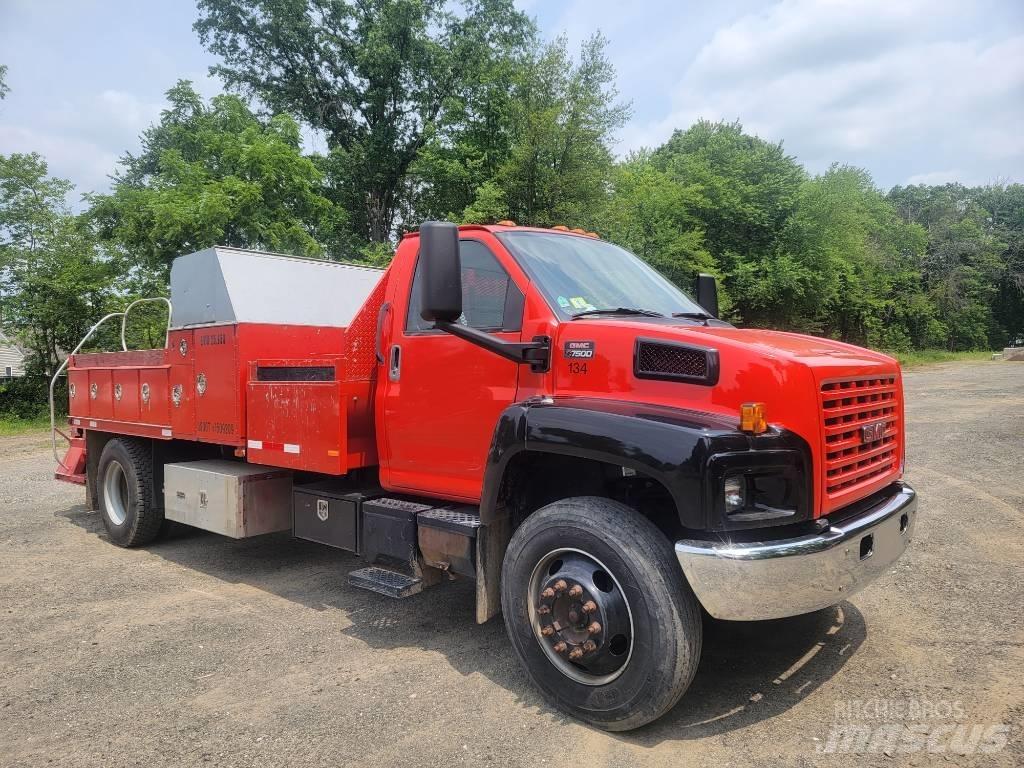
752	418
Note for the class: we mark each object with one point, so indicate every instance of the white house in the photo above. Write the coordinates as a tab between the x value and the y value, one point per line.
12	359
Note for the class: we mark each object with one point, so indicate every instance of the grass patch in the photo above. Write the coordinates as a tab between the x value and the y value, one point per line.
12	425
927	356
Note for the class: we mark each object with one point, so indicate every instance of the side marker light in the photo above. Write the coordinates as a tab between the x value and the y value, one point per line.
752	418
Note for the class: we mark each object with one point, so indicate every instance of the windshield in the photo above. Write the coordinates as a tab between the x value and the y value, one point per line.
581	276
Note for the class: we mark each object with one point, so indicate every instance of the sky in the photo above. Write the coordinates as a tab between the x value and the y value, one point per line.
915	91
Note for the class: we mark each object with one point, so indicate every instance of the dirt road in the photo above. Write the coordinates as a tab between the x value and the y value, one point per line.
201	650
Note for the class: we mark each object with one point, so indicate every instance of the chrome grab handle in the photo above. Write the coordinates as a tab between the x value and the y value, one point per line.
382	313
124	319
124	346
53	382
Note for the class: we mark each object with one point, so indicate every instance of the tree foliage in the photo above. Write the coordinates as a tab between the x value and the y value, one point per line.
378	77
53	282
563	118
437	110
215	174
656	218
831	254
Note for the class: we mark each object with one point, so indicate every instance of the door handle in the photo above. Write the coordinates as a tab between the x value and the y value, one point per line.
395	363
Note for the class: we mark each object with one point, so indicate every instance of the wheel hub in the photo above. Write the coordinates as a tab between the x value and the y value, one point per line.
582	615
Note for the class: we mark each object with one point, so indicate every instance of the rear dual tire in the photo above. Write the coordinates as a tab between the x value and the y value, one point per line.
643	656
126	493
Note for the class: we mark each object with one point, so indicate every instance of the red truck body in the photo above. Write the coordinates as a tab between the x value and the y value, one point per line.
439	417
461	433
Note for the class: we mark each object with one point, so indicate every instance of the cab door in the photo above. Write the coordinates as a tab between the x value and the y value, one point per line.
443	395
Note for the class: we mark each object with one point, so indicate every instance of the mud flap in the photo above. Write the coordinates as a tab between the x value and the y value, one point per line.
491	541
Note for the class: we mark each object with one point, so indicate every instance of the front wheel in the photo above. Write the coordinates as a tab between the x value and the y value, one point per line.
599	613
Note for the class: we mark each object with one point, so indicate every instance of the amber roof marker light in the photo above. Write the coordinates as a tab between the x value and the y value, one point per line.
752	418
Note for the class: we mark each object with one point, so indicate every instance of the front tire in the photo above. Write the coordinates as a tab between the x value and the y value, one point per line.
599	613
124	480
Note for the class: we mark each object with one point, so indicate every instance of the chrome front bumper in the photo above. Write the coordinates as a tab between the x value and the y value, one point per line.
772	579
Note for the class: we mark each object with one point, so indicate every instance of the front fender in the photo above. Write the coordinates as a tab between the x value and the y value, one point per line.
686	451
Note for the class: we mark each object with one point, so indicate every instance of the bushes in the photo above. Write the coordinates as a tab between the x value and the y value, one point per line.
26	397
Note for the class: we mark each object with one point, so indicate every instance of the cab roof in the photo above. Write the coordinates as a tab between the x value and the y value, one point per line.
508	226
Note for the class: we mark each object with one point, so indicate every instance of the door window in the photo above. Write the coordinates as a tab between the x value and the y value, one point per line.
491	301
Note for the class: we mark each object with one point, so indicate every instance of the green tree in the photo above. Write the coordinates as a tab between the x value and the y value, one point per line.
53	282
652	216
748	186
214	174
463	156
969	263
563	115
1004	204
379	77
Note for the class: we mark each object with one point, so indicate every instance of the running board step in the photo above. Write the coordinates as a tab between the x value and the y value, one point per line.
386	581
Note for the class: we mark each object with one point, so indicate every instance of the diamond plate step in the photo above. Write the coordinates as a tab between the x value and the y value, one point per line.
462	520
385	581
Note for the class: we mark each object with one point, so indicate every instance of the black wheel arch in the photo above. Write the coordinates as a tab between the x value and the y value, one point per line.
681	450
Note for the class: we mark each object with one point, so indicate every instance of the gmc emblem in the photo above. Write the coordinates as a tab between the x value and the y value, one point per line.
869	433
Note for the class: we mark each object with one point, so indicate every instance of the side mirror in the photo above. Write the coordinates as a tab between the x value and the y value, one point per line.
441	284
707	293
441	299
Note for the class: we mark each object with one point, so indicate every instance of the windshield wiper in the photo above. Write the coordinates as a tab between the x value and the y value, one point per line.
694	316
617	311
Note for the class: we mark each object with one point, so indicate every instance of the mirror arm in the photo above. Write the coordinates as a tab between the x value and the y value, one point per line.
536	353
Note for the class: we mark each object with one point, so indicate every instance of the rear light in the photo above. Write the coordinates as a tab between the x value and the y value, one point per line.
752	418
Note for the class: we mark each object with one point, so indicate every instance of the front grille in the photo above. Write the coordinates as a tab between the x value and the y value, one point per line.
854	459
674	361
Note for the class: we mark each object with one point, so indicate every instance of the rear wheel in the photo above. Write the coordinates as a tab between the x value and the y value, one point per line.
124	480
599	613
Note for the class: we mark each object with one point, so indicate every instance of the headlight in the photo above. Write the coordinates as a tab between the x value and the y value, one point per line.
735	493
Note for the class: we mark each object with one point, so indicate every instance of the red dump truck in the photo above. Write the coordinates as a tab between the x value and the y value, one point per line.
535	410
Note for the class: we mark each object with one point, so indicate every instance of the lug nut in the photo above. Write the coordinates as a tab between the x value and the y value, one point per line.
589	646
547	631
560	586
589	607
560	646
575	591
547	594
593	628
544	609
576	653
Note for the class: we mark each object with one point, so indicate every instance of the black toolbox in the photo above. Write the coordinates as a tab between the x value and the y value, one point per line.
329	513
389	528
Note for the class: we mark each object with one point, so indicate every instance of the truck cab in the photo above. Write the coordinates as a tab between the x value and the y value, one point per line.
537	410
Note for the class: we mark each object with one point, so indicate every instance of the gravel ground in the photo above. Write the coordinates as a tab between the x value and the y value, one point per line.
256	653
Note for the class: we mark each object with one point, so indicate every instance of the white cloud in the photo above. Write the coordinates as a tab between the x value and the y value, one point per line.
127	110
82	139
935	177
84	162
876	83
